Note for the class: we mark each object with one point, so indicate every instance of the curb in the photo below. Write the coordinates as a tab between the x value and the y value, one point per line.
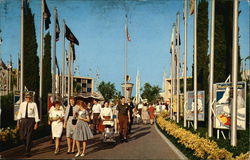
176	150
5	154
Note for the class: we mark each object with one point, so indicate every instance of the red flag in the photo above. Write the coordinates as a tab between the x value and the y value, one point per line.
127	34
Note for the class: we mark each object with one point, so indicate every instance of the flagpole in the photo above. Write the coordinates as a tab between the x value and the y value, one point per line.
69	70
195	67
211	77
125	60
235	74
72	72
185	63
172	72
178	66
54	58
63	60
41	60
21	52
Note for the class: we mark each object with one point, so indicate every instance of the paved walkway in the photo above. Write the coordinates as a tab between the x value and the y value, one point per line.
144	143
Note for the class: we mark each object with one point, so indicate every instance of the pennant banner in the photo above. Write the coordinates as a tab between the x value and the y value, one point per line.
70	36
57	28
47	15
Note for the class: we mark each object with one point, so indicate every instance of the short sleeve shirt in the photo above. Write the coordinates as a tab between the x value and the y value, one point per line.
123	109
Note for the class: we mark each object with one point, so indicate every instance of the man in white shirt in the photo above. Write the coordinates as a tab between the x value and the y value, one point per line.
27	120
96	110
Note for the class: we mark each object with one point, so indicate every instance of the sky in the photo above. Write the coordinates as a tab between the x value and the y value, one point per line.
99	27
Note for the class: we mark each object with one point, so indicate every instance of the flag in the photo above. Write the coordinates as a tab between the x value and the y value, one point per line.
57	66
127	34
47	15
172	40
73	50
57	28
70	36
192	7
179	39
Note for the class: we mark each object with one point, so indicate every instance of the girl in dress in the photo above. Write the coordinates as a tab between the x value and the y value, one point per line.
56	118
82	131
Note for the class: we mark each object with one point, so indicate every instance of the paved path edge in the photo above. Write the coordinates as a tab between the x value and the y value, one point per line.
171	145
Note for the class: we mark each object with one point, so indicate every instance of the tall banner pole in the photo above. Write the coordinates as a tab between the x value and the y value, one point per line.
63	60
178	67
235	74
195	67
41	60
72	72
211	77
21	53
172	72
54	58
125	60
69	71
185	63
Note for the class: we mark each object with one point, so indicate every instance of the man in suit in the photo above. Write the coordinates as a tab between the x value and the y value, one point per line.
27	121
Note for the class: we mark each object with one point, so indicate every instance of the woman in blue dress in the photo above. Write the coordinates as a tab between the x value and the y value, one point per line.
82	131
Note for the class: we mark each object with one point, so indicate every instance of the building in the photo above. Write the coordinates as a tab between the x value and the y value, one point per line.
83	85
166	94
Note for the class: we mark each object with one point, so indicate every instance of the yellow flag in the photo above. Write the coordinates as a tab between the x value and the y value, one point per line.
192	7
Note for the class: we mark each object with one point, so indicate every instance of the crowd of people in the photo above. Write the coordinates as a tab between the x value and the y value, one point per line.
82	121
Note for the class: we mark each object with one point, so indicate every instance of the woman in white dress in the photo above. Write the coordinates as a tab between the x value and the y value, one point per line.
56	118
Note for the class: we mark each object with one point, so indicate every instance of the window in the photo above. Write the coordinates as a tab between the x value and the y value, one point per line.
84	85
89	89
89	81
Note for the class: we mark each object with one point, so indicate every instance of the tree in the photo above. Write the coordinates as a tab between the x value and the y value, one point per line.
47	77
223	41
202	45
151	93
31	60
107	90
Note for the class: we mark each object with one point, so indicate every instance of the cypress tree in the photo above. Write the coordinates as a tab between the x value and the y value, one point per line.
202	45
47	77
223	41
31	60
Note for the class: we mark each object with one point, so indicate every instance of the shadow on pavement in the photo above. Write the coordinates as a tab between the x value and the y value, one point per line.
137	136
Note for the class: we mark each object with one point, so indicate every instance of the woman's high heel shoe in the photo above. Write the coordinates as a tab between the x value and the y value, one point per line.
78	154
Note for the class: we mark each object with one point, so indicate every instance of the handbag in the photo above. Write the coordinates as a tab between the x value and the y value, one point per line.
74	121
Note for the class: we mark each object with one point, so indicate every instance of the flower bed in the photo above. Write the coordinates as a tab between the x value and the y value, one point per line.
203	148
9	136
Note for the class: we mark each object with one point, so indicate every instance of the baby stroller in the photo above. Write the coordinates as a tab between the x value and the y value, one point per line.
108	134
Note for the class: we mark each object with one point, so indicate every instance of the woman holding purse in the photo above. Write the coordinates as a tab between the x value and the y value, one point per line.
69	123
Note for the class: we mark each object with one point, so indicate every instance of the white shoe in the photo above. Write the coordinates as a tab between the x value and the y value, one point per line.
82	155
78	154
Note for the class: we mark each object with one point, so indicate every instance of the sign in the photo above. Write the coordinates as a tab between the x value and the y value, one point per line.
222	106
200	106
